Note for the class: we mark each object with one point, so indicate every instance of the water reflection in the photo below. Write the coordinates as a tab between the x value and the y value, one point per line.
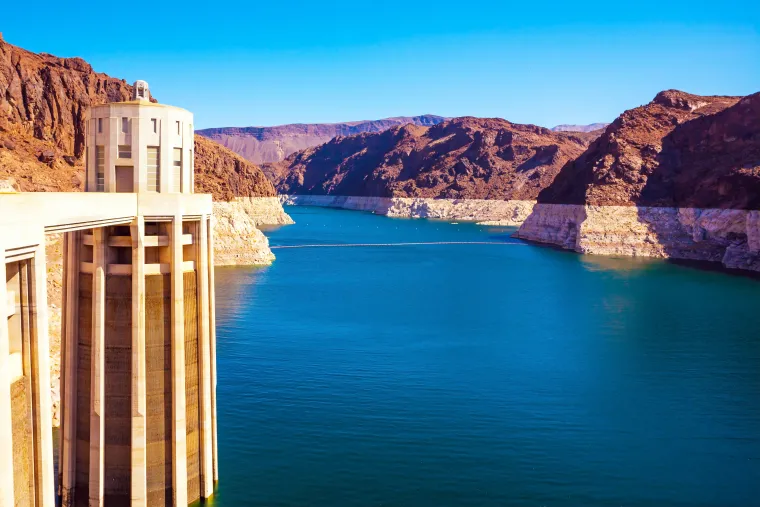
239	283
619	264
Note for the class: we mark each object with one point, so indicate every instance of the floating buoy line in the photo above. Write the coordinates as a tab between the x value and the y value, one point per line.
416	243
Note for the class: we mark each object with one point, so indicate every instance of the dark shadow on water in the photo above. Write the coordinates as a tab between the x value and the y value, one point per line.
715	267
610	263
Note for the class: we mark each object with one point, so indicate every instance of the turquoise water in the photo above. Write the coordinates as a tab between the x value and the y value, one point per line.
481	375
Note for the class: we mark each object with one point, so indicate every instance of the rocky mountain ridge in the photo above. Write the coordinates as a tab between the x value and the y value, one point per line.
461	158
680	150
273	144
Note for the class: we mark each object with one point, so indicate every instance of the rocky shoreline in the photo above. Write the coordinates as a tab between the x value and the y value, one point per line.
494	212
237	238
726	236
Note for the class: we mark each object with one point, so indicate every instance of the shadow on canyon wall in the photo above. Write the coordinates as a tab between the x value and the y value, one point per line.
709	163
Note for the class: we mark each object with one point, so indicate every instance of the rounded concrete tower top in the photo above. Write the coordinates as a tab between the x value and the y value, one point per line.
141	91
139	146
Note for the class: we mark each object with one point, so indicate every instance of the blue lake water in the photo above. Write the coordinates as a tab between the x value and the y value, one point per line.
481	374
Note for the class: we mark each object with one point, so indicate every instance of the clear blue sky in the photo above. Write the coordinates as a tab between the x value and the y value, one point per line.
268	63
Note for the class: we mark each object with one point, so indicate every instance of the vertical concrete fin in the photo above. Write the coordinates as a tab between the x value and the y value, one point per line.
212	342
40	360
62	380
139	459
70	337
97	371
207	434
179	424
6	433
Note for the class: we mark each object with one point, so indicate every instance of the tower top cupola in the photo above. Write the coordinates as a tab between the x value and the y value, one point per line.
141	91
139	146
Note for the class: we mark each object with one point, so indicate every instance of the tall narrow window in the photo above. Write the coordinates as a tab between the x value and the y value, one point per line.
154	122
178	129
192	173
154	168
125	151
100	165
125	125
100	125
177	184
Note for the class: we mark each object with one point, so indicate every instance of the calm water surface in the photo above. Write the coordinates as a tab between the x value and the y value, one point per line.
481	375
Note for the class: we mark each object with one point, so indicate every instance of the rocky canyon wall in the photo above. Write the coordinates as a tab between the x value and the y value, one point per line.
727	236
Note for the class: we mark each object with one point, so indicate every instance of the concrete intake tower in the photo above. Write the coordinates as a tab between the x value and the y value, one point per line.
138	378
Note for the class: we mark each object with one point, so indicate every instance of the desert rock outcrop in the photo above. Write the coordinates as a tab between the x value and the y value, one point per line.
676	178
680	150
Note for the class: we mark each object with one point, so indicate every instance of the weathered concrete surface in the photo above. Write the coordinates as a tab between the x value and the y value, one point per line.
494	212
730	237
54	280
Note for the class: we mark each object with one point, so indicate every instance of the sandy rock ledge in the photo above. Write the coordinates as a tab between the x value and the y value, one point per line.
490	212
237	239
730	237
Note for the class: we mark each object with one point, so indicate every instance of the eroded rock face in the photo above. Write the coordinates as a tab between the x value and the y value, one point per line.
48	96
462	158
729	237
680	150
226	175
237	238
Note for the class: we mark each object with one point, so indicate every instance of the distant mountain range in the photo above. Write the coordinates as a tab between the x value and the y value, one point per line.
273	144
580	128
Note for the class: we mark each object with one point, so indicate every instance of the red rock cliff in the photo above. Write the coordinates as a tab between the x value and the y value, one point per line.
680	150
